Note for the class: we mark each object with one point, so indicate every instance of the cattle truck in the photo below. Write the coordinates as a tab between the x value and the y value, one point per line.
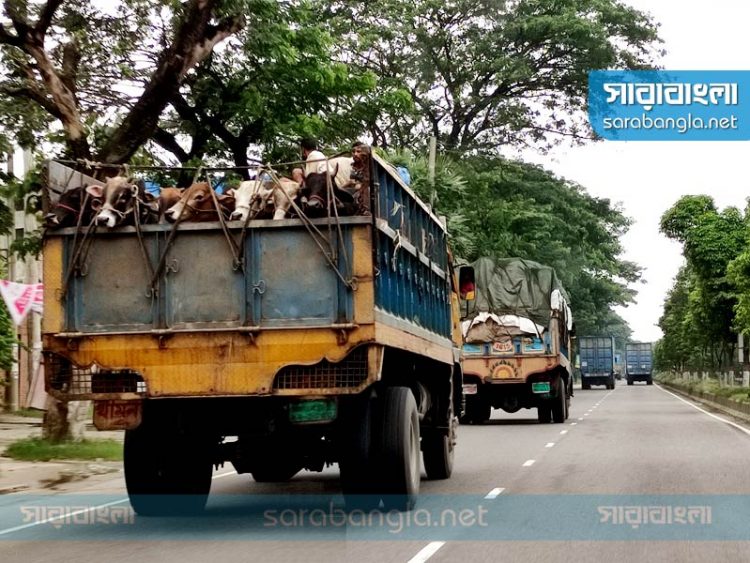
597	357
638	362
517	332
276	345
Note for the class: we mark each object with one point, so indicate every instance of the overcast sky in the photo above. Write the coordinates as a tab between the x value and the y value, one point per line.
648	177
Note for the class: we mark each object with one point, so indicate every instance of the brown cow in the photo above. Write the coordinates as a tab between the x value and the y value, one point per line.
119	196
197	204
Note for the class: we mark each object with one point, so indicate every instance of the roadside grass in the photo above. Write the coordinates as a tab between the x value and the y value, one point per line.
29	413
709	386
39	449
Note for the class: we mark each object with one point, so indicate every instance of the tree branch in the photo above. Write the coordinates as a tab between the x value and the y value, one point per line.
45	17
168	142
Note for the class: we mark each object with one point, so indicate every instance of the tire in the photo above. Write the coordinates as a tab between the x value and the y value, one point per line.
478	411
585	385
630	381
649	381
355	459
438	449
558	404
398	449
166	475
544	413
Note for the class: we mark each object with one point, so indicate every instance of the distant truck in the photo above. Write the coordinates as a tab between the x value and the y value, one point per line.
597	359
310	341
639	362
517	333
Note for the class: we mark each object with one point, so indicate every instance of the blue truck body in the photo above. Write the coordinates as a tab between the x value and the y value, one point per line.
597	360
639	362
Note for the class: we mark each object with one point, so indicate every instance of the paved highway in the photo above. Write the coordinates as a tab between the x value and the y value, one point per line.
531	492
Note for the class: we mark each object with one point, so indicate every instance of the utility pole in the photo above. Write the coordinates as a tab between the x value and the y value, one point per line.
14	369
431	169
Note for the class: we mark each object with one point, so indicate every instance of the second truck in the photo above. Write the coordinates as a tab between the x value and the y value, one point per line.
517	337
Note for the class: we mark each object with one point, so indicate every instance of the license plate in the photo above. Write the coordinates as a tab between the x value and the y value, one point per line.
470	389
540	387
319	410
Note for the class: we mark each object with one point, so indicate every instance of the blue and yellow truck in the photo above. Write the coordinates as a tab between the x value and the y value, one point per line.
276	345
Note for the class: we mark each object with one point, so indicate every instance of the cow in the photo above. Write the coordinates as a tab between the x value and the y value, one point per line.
167	198
67	210
252	197
197	204
315	194
119	197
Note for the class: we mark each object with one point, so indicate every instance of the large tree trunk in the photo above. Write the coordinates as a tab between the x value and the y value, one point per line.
194	41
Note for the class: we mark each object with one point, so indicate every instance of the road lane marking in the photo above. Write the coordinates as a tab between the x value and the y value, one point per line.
573	423
549	444
584	414
724	420
426	552
580	418
84	510
494	493
563	431
529	462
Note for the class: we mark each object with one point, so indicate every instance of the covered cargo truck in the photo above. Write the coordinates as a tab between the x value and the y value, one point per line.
597	359
517	332
276	345
639	362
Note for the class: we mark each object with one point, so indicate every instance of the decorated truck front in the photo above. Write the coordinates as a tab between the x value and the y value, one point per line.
516	333
276	345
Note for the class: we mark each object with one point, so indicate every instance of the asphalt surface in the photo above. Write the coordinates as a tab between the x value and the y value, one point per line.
543	491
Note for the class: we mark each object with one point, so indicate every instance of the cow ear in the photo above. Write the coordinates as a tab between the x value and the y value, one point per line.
94	190
229	192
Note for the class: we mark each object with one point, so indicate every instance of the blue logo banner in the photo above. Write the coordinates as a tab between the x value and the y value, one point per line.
670	105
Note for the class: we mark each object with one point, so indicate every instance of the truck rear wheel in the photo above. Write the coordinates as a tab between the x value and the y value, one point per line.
166	475
649	381
630	381
585	385
355	460
478	411
544	413
275	470
398	449
438	449
558	405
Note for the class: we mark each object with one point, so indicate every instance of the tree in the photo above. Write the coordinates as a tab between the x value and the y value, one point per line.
483	73
711	240
44	50
503	208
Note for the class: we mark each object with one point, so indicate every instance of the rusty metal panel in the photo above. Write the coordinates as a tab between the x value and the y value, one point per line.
111	291
203	289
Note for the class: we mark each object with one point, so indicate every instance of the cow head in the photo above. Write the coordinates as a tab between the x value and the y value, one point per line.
119	196
250	198
72	206
197	204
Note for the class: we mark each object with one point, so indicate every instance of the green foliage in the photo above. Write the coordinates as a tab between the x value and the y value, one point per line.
503	208
699	313
486	72
38	449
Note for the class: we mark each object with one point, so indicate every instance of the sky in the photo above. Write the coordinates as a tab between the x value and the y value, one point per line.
647	178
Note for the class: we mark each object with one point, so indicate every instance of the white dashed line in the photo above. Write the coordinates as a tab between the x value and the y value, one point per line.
580	418
549	445
494	493
426	552
573	423
584	414
529	462
563	431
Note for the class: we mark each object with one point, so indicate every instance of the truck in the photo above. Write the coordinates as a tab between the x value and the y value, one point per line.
639	362
517	340
597	360
275	345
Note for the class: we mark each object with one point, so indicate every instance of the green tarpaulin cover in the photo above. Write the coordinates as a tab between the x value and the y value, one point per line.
513	286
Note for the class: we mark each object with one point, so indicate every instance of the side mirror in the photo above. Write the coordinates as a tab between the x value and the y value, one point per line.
466	284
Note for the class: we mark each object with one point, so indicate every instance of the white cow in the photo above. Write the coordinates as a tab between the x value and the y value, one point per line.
254	195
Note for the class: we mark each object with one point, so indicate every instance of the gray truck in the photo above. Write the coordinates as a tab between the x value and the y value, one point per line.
639	362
